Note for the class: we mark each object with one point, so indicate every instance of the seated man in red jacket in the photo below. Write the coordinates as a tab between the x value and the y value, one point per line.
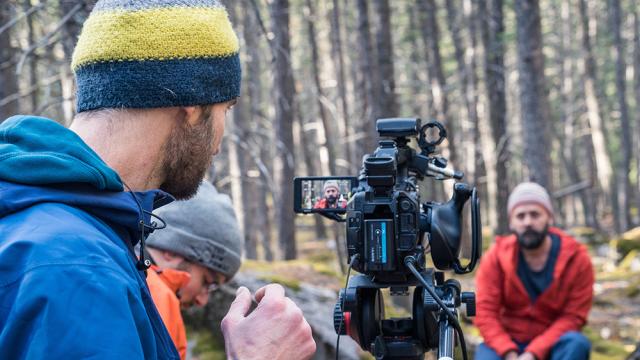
534	287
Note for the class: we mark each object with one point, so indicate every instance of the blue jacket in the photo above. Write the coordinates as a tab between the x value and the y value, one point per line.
69	287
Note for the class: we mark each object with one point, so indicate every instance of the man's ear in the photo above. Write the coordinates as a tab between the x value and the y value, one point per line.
171	257
191	114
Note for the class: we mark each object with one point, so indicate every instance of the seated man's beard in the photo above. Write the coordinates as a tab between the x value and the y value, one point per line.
331	199
531	239
188	154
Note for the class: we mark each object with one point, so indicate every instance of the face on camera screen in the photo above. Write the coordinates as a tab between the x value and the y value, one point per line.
325	194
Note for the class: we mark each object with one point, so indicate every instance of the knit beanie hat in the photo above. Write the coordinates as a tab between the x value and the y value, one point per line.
203	230
156	53
330	184
529	192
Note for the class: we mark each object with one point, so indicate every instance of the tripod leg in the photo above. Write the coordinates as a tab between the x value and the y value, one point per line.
447	340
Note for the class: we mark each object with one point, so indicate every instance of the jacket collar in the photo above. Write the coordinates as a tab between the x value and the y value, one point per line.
508	249
174	279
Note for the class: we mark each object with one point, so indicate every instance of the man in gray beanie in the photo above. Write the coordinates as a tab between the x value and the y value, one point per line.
199	250
203	230
534	286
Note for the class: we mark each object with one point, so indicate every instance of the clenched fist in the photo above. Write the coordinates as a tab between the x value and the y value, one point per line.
275	330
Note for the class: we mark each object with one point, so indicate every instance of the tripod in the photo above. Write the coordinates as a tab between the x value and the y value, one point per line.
359	313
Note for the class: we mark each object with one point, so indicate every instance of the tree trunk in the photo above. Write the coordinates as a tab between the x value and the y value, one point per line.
308	145
328	126
416	66
258	218
496	158
534	105
468	79
368	82
339	65
387	96
284	96
625	127
636	83
431	35
236	134
236	170
71	31
568	133
32	63
7	72
598	130
472	88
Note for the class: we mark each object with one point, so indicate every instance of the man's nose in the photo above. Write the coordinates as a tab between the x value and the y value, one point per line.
202	299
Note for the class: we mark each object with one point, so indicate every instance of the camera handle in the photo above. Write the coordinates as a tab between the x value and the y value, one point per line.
476	237
444	224
334	217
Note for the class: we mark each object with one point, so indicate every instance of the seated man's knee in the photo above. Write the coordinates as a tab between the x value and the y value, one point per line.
483	352
572	345
578	339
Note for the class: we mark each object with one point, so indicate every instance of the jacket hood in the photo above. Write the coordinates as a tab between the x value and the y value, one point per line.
42	161
38	151
118	208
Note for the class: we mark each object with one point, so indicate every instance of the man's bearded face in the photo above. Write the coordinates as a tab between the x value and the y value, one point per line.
331	194
530	224
188	154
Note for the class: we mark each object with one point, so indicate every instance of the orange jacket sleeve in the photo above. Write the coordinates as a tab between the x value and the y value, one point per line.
576	310
489	302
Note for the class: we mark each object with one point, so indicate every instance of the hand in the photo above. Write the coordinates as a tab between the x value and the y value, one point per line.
527	356
275	330
511	355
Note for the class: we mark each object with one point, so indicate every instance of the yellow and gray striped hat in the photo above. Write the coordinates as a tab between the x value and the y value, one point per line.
156	53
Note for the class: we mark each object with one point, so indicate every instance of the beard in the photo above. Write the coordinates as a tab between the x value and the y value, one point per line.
531	239
187	156
332	199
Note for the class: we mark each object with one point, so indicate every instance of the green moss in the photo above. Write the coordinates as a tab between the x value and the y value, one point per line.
604	349
326	269
633	289
322	257
207	347
292	284
588	235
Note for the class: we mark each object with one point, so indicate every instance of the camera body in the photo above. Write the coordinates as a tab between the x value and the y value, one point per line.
386	221
383	215
389	231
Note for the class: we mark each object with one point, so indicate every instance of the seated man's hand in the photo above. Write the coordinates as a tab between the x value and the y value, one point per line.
276	329
511	355
527	356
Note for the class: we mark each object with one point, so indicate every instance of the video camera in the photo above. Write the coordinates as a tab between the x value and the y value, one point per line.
389	231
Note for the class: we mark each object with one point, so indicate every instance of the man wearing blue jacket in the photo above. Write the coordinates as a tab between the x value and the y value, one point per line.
155	79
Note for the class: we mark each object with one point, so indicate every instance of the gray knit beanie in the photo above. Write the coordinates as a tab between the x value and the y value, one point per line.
529	192
330	184
204	230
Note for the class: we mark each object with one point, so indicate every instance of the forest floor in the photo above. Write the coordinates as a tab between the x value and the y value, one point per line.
613	325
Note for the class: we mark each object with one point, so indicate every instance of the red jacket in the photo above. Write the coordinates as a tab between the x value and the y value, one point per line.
324	204
505	311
